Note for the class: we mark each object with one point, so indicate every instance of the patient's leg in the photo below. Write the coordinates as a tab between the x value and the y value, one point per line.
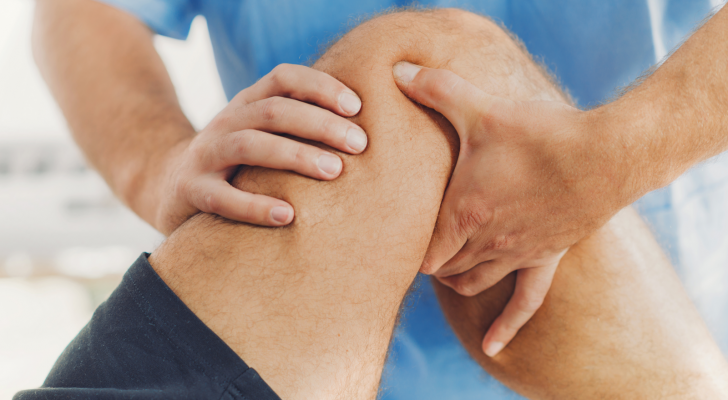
312	306
616	324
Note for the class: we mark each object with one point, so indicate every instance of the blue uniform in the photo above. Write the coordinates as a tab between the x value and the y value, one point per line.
593	46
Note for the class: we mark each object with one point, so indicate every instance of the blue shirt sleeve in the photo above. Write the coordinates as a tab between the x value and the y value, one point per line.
166	17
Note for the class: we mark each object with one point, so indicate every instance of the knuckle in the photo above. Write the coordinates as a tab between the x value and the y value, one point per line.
272	109
196	151
210	203
502	242
323	90
250	212
328	130
243	143
472	218
298	155
237	119
320	88
291	155
199	155
278	76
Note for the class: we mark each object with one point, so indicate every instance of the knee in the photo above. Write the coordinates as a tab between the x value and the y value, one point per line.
468	44
411	149
410	152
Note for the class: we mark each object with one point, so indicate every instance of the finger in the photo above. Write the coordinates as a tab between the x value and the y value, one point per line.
460	263
477	250
447	93
217	196
305	84
256	148
532	285
478	278
282	115
447	239
457	222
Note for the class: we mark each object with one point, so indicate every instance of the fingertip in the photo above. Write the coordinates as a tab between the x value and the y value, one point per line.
356	139
330	165
405	72
492	349
493	341
281	215
349	103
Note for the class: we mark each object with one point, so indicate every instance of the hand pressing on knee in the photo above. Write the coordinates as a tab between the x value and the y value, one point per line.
292	99
527	185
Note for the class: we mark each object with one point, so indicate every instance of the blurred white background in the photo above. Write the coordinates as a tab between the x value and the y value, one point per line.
65	240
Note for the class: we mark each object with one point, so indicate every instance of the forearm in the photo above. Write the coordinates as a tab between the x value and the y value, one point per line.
678	117
103	70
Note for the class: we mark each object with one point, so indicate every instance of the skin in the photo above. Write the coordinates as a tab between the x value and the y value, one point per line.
123	112
533	178
312	306
617	324
162	169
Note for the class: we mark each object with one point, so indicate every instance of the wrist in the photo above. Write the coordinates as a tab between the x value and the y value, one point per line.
141	184
635	158
614	168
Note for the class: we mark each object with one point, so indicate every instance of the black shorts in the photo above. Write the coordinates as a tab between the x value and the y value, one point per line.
144	343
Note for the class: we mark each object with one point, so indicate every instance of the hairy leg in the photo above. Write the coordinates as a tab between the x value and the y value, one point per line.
312	306
616	324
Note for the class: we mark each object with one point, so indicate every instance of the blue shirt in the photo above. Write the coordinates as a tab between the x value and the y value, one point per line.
593	46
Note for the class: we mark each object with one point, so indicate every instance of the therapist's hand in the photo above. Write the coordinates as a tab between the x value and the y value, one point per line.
526	187
293	100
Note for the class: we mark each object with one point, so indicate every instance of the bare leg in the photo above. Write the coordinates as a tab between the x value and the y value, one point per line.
312	306
617	324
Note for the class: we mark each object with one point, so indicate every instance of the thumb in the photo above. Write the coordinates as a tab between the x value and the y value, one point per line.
444	91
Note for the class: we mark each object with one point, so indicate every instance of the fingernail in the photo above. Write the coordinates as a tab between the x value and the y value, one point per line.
329	163
280	214
405	72
356	139
350	102
494	348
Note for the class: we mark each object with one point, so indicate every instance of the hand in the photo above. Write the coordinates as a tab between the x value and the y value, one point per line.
526	186
242	133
